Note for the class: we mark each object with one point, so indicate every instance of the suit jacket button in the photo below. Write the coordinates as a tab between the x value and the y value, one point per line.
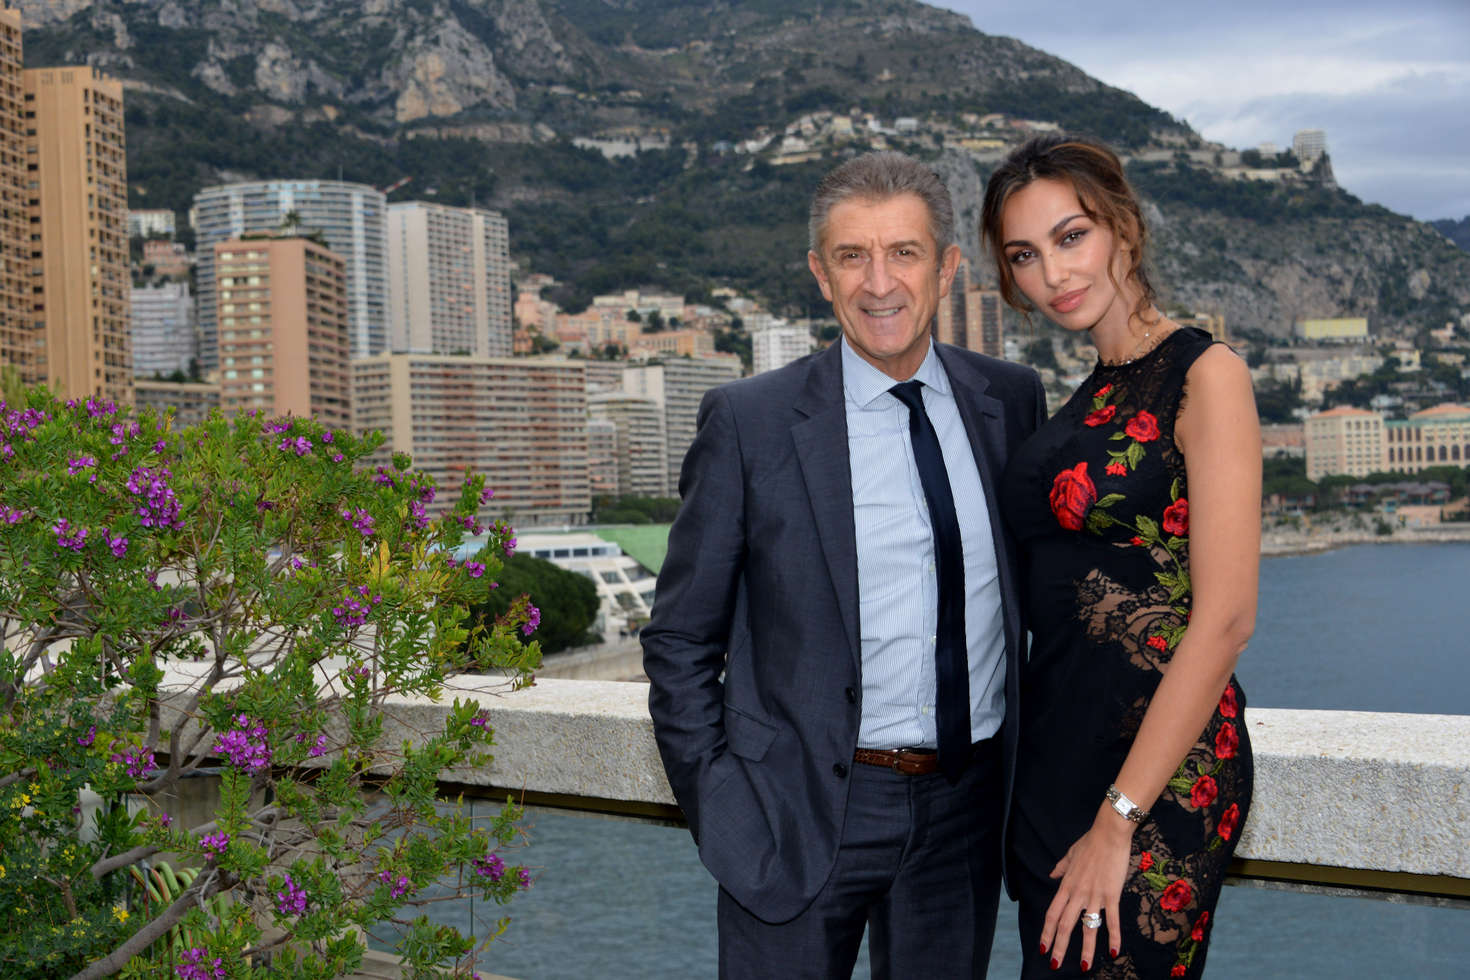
839	770
851	696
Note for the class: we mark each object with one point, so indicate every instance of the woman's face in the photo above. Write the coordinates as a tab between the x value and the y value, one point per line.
1060	258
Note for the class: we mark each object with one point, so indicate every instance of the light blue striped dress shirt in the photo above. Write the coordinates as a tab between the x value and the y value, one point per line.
897	588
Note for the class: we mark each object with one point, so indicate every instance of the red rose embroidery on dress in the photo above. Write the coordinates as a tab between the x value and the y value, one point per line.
1137	541
1117	469
1227	741
1229	707
1101	416
1228	821
1180	970
1176	517
1103	391
1158	643
1072	495
1145	860
1198	934
1203	792
1176	896
1143	427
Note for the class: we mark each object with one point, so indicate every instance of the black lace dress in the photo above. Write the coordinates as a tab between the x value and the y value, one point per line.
1098	501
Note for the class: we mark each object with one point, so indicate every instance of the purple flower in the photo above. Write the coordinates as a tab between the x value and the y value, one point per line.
214	845
67	538
121	432
98	409
474	568
490	866
165	821
420	514
485	495
75	464
11	515
480	721
85	741
533	619
383	478
523	876
159	506
152	576
197	965
160	445
246	746
291	899
118	544
320	748
399	886
300	445
338	457
327	436
279	426
351	612
138	762
471	525
359	519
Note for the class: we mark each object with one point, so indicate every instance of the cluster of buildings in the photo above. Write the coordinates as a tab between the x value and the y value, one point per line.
1356	442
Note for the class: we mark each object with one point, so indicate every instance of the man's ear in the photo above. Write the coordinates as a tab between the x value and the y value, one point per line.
820	272
949	263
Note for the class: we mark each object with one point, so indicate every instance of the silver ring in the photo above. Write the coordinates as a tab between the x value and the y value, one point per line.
1092	920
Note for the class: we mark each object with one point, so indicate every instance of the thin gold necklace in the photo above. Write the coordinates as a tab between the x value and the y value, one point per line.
1132	355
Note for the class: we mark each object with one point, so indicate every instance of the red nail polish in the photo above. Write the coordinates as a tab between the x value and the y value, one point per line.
1043	949
1084	966
1056	964
1113	953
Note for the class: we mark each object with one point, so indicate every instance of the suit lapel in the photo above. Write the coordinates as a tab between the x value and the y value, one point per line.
820	437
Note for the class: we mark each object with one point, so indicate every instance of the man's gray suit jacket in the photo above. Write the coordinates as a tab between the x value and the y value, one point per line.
752	649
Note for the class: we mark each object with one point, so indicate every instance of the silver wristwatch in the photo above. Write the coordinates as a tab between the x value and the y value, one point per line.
1125	807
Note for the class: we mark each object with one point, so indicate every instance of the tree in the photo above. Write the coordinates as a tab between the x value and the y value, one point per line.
568	601
1040	353
240	597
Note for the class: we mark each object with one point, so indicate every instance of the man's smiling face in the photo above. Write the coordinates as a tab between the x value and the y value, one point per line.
884	274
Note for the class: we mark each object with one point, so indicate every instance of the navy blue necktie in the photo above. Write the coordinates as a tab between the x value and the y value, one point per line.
951	652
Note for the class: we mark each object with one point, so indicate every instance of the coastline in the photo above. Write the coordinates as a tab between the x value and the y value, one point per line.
1280	541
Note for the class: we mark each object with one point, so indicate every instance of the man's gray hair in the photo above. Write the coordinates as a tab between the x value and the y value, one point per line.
879	177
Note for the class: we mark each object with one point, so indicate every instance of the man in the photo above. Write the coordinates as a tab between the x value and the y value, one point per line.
832	680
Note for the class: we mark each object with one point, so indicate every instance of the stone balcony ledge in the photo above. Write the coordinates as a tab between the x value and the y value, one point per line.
1360	791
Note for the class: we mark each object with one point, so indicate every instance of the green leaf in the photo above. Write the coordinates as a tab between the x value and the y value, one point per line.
1135	454
1109	500
1148	529
1116	436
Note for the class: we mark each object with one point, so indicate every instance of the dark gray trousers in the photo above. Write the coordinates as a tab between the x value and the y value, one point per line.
919	866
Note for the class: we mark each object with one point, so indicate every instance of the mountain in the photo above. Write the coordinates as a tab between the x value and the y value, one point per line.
737	108
1456	231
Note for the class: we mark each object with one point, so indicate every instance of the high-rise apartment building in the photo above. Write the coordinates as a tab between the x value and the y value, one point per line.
520	422
448	280
602	456
78	212
1345	441
640	448
163	329
190	401
351	217
283	341
677	385
21	329
776	344
971	317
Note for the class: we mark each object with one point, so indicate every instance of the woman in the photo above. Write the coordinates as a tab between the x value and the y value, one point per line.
1138	511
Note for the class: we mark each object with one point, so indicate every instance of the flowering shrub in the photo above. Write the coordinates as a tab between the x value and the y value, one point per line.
234	600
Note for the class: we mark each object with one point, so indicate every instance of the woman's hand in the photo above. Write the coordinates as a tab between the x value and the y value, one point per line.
1092	873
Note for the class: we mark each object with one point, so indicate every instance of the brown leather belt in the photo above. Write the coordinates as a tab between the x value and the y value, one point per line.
910	762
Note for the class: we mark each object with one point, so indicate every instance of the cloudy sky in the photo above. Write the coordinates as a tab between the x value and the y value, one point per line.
1389	82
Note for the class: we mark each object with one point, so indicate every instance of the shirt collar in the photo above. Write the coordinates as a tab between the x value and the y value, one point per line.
863	383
